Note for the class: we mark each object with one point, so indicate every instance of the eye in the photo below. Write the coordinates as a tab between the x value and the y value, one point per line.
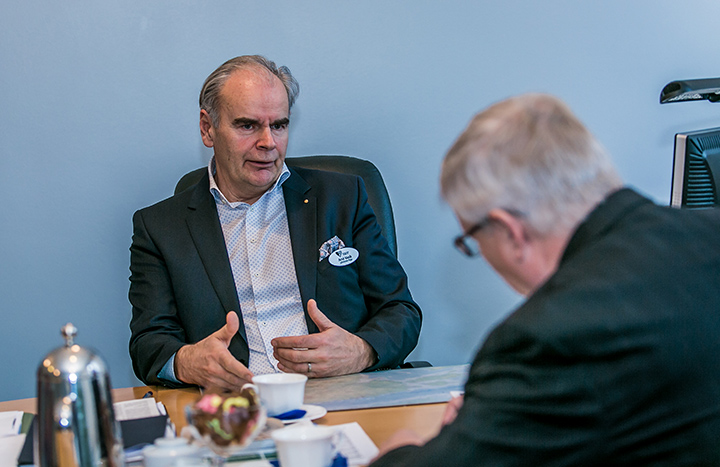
278	126
245	124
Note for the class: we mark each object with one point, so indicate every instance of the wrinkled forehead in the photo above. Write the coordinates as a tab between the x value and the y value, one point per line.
256	88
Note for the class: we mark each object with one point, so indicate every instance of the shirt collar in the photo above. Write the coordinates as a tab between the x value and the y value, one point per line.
219	196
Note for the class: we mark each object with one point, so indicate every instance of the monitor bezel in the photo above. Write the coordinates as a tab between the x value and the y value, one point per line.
686	145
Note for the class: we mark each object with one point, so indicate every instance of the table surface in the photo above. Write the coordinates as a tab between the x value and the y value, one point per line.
378	423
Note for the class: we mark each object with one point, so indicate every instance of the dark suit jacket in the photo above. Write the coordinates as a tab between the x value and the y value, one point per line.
613	361
181	283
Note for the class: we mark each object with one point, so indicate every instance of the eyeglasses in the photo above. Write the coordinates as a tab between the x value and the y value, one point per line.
467	245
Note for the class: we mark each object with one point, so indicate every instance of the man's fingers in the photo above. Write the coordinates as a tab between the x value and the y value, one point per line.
333	351
318	369
223	371
318	316
233	367
227	381
310	341
227	332
290	355
232	321
209	363
451	410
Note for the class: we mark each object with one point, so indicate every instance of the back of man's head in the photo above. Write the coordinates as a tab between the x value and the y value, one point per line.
528	154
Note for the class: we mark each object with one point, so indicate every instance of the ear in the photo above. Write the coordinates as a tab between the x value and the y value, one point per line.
517	233
207	129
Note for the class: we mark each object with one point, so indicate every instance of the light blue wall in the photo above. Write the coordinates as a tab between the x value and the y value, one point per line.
98	117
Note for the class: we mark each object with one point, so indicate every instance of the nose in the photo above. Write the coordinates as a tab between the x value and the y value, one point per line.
266	140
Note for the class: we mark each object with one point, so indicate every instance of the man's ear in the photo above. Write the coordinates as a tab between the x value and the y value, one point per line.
207	129
515	230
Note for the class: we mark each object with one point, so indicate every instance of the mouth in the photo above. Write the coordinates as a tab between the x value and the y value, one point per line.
261	164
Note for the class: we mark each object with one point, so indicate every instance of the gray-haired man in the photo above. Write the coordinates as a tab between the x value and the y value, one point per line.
612	359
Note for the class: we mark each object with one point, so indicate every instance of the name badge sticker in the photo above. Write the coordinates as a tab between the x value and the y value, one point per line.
344	256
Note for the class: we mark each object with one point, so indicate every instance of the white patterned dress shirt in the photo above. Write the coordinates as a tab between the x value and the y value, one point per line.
257	238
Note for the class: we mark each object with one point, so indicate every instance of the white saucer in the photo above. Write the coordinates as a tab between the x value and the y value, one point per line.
312	412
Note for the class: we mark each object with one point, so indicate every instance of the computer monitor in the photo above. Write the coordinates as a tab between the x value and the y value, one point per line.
696	169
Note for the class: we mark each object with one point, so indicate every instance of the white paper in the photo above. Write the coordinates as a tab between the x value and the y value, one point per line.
355	445
10	423
10	447
138	408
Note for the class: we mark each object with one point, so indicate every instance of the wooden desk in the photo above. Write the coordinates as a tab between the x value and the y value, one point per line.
379	424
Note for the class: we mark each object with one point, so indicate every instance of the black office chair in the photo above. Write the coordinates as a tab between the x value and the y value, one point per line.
376	190
377	195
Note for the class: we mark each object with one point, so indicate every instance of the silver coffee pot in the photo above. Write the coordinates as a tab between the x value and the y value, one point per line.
75	423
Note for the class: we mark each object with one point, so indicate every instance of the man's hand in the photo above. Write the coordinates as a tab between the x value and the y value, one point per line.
408	437
451	410
331	352
209	363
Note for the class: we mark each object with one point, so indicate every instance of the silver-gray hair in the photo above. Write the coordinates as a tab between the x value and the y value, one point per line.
528	154
210	92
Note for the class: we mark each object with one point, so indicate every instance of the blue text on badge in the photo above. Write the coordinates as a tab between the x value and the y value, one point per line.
344	256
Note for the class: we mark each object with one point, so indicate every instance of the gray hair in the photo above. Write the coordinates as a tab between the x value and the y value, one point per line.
211	88
532	155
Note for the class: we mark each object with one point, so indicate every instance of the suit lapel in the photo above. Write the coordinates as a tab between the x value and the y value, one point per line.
204	226
301	207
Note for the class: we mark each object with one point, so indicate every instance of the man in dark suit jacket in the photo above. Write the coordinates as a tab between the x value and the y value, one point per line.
612	359
184	285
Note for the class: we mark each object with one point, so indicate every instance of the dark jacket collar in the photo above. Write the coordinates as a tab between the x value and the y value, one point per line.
601	219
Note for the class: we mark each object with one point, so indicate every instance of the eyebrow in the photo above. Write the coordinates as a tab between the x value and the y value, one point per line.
244	121
250	121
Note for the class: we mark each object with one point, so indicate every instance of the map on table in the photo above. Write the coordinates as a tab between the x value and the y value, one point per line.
386	388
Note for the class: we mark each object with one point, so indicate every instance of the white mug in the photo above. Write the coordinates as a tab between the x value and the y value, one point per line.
305	445
280	392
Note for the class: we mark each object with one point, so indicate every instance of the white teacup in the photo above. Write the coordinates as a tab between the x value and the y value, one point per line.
305	445
167	452
280	392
